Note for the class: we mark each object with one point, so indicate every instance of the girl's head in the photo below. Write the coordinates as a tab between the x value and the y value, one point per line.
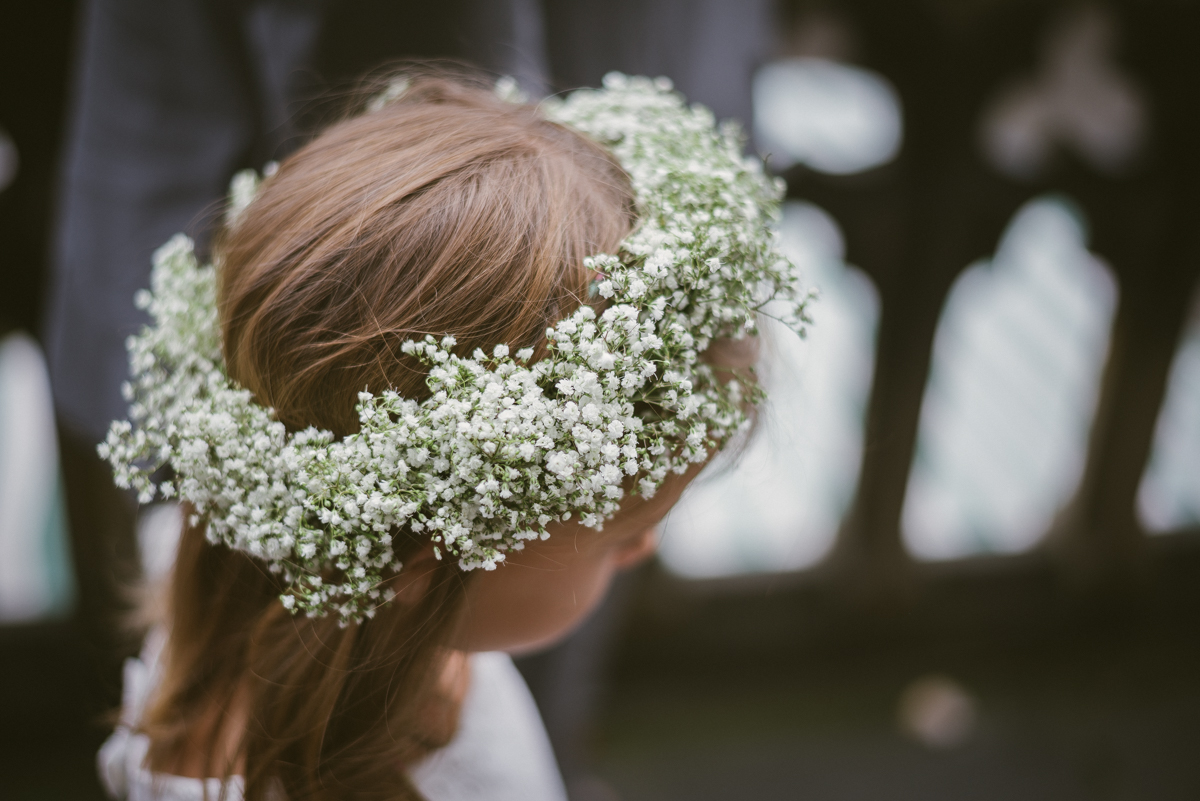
448	211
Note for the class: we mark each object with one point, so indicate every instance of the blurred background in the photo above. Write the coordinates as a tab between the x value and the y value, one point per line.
961	557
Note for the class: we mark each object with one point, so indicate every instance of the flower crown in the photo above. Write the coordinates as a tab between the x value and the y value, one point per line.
502	447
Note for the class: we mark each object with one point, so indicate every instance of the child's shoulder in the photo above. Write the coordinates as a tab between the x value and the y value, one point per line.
500	752
122	759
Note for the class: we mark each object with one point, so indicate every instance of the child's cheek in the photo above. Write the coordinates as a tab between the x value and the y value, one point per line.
533	600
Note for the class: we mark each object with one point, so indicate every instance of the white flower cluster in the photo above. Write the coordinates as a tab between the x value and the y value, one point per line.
502	447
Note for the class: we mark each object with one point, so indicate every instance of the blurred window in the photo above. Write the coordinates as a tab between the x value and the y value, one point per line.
776	505
832	117
35	569
1012	390
8	160
1169	496
1079	99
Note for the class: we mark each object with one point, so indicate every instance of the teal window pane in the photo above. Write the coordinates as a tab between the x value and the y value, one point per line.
832	117
776	505
36	580
1169	495
1012	390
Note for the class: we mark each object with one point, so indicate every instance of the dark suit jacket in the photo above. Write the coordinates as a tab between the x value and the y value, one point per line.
173	96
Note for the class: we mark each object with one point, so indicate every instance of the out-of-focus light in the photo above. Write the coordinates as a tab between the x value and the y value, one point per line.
35	568
777	504
831	117
1169	495
937	712
158	530
1012	390
9	160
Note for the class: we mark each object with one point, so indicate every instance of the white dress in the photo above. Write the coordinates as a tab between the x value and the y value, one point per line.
500	753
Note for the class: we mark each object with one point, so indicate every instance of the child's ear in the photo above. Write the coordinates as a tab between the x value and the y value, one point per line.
412	582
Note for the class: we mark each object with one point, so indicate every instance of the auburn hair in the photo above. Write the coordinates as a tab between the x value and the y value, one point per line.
447	211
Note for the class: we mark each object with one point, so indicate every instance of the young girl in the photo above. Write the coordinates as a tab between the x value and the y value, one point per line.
413	361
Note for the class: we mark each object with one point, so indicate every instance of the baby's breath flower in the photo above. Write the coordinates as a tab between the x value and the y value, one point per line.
502	447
